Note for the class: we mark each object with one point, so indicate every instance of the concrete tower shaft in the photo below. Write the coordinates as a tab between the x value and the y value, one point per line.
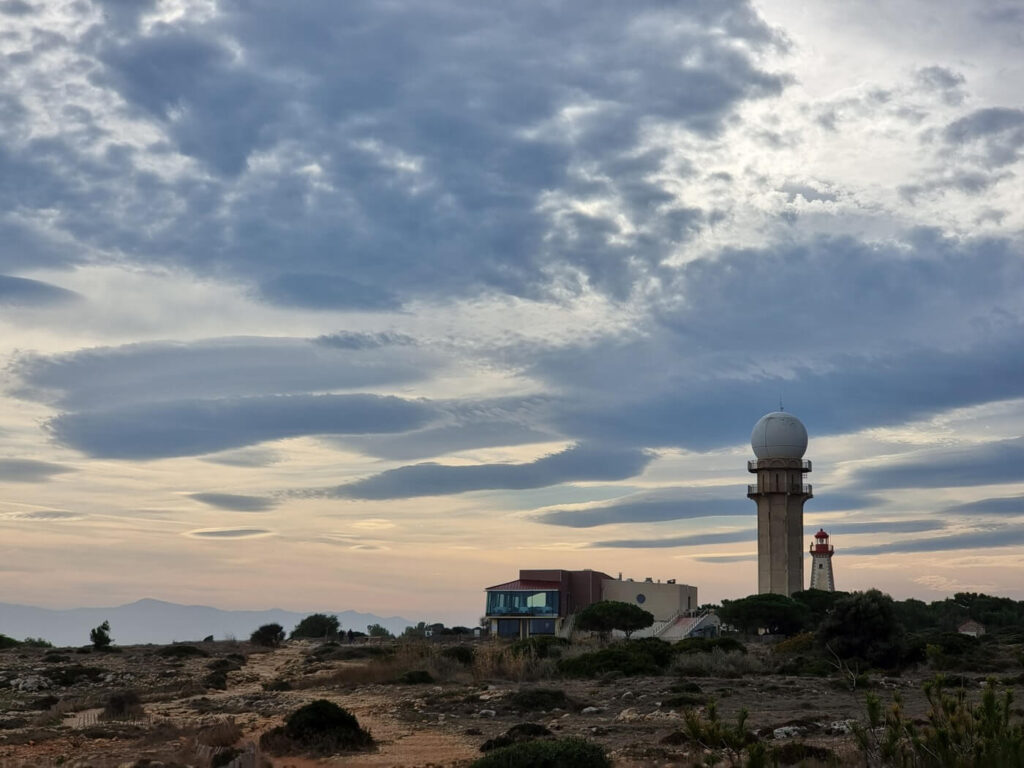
779	441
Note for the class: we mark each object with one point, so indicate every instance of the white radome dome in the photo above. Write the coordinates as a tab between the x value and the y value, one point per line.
779	435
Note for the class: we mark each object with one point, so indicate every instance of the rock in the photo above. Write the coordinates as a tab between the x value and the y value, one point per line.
590	710
664	714
486	713
787	732
628	695
629	715
30	683
840	727
473	732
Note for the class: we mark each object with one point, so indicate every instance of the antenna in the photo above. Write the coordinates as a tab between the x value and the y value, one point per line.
781	407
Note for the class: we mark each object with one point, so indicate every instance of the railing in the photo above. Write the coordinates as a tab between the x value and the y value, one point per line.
752	464
807	490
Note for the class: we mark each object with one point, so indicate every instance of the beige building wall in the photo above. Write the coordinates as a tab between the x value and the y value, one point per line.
662	600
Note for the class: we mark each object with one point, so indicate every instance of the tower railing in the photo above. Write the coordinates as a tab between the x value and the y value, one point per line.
752	464
807	490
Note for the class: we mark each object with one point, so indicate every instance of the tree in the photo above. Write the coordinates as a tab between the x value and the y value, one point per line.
819	603
420	630
269	636
100	636
376	630
607	615
317	625
778	614
862	626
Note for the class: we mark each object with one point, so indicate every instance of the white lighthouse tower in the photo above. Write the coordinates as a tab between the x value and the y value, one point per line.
821	563
779	440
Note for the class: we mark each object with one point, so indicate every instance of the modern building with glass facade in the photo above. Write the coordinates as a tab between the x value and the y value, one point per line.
541	602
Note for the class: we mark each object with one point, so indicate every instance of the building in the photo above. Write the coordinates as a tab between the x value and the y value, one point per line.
821	563
543	602
972	628
779	441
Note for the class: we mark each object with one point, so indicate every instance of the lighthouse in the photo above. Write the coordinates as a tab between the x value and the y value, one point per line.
779	441
821	563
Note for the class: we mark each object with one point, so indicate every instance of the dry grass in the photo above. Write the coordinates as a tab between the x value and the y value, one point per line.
223	733
718	663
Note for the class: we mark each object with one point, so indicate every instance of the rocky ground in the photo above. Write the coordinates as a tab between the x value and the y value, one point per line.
51	705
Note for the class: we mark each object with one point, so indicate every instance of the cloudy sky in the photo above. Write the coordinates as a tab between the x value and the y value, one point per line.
368	304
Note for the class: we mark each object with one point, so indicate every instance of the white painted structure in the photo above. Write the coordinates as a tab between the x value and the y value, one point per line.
821	563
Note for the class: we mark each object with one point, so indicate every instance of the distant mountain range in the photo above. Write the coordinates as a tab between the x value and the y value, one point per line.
155	621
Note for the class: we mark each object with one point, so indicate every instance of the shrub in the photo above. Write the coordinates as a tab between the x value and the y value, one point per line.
100	636
36	642
539	699
716	664
460	653
316	626
225	757
217	680
863	627
268	636
516	734
683	700
797	753
649	656
723	741
540	647
223	665
564	753
73	674
124	705
319	728
8	642
277	685
708	644
802	643
177	651
416	677
221	734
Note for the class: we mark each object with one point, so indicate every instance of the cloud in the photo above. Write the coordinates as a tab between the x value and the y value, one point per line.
229	533
16	8
436	441
999	461
29	470
44	515
237	366
235	502
351	340
1008	505
579	462
997	133
945	81
246	457
725	558
1002	536
680	503
750	534
193	427
20	291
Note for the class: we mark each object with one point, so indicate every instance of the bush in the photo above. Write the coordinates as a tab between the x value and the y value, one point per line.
73	674
268	636
802	643
124	705
217	680
100	636
708	644
863	627
177	651
564	753
36	642
277	685
416	677
648	656
8	642
223	665
516	734
221	734
539	699
316	626
797	753
540	647
319	728
460	653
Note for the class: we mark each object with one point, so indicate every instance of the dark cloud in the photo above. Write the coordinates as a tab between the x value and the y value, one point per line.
725	558
235	502
352	340
234	533
580	462
682	503
246	457
1003	536
437	441
192	427
240	366
945	81
354	155
1000	461
16	8
750	534
29	470
20	291
807	192
997	133
45	515
1008	505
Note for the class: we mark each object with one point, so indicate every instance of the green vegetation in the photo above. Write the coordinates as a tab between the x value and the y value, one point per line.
778	614
649	656
515	735
461	653
563	753
958	734
317	626
100	636
268	636
319	728
539	700
376	630
8	642
416	677
123	705
36	642
724	742
862	628
540	647
708	644
609	615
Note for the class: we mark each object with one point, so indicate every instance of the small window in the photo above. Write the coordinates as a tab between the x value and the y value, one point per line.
641	598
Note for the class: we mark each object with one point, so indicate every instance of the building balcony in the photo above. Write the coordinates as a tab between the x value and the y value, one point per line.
752	464
804	490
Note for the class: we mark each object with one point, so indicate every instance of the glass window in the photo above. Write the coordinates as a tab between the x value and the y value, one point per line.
542	626
508	627
522	603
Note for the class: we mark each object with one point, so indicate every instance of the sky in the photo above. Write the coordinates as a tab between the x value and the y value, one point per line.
367	305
